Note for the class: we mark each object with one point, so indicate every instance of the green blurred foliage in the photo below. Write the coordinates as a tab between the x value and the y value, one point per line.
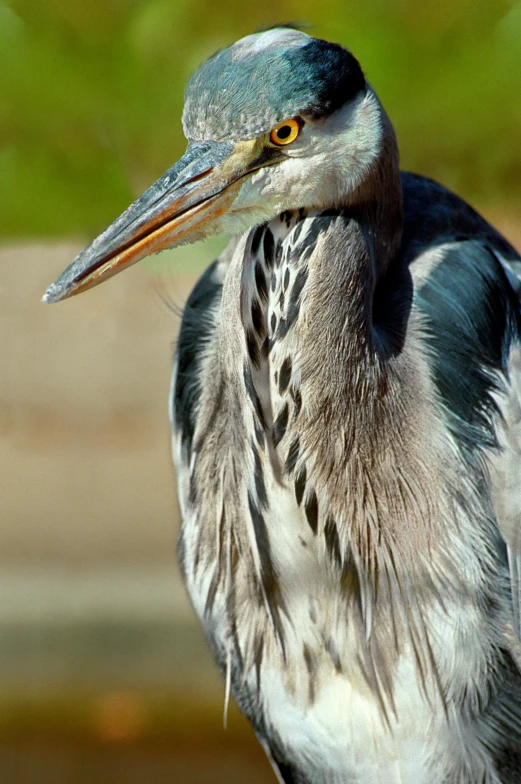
91	93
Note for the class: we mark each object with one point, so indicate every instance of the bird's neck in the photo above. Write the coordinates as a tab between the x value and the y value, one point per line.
331	283
358	290
376	202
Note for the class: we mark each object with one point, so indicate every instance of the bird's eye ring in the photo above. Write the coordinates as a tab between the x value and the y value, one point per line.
285	133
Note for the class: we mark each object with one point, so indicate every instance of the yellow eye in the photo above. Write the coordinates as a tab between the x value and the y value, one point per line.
285	133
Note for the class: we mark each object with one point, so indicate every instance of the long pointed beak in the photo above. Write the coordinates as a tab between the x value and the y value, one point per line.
179	208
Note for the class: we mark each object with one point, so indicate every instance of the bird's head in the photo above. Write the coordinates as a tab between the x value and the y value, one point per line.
275	122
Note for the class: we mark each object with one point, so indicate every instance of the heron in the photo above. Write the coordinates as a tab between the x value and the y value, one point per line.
346	425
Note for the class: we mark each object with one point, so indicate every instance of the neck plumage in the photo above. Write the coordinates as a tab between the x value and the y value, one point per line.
359	291
376	203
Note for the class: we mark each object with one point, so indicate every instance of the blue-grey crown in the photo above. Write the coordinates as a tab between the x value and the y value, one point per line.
243	91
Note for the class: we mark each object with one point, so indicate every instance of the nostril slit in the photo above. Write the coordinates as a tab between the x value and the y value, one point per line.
199	176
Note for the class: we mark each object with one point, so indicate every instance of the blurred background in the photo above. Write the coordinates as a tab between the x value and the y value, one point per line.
104	675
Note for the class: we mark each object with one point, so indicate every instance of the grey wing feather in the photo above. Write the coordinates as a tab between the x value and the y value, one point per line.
506	465
475	242
197	327
506	478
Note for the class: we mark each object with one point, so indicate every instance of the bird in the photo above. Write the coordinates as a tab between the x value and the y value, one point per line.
346	425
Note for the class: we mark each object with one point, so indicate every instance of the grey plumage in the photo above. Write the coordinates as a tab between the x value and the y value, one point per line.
316	80
385	501
346	427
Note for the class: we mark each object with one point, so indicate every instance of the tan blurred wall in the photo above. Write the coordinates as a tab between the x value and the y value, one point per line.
84	437
90	592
